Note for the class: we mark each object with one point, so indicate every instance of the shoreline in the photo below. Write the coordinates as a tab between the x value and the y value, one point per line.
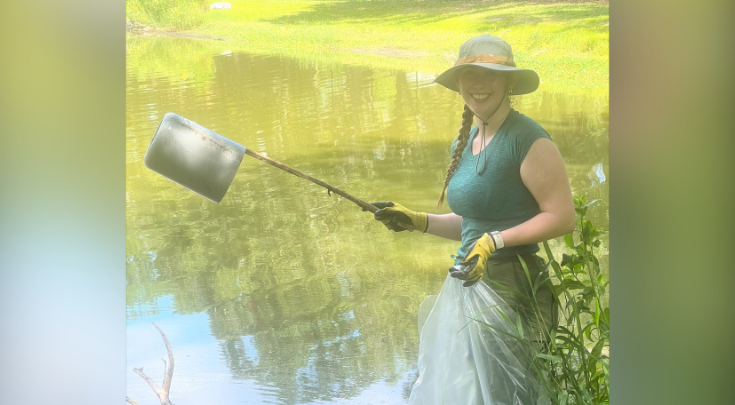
566	43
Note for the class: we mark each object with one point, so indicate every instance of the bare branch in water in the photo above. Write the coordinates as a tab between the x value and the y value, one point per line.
162	392
170	369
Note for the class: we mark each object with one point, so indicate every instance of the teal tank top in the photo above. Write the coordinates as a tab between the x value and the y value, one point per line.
495	199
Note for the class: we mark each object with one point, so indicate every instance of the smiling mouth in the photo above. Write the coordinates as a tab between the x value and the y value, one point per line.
478	96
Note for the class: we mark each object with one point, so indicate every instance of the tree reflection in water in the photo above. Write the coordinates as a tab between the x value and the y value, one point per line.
306	295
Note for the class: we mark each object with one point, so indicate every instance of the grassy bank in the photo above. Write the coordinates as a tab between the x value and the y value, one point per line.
174	14
565	42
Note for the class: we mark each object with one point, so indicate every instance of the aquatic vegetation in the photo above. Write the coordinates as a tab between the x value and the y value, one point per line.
575	368
572	364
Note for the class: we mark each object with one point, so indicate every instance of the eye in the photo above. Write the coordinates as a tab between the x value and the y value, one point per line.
470	74
479	74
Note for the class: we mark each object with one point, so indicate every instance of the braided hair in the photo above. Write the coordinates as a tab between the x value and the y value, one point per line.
462	139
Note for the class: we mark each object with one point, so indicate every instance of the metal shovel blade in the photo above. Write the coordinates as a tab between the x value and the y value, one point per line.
193	156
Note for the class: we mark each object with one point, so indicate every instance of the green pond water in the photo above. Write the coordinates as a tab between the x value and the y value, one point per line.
283	294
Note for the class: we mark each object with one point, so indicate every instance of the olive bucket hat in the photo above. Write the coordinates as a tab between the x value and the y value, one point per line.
489	52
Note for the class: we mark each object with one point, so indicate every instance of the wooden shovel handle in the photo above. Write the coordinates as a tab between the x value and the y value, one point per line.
363	204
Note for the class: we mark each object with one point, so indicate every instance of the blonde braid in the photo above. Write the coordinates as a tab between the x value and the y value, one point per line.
462	139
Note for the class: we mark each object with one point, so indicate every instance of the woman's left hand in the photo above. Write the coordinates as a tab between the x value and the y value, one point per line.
473	266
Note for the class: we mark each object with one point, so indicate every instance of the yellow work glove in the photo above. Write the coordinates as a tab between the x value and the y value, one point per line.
394	215
474	263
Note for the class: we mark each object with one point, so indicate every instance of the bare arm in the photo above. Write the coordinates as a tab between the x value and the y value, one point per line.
545	176
448	226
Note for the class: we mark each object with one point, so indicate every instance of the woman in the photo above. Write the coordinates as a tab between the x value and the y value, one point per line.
508	190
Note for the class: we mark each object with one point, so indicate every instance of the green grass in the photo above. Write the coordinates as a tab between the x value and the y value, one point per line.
565	42
177	14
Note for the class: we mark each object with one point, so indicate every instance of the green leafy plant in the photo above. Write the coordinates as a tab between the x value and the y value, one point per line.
572	365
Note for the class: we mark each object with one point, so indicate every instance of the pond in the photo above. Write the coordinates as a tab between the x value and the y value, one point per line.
283	294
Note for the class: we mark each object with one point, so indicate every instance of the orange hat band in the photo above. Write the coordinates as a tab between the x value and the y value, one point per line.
485	58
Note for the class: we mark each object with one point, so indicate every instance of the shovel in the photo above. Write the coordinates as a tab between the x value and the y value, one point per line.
206	162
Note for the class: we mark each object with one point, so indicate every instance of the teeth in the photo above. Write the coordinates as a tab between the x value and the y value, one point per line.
480	96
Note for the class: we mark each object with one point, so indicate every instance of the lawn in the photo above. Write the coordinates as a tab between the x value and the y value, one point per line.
567	43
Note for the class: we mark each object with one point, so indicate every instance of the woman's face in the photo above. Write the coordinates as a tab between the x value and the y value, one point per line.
483	90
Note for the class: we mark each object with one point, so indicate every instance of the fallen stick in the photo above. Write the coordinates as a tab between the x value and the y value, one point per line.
163	392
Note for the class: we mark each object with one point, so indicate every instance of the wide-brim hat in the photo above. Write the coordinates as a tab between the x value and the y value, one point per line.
489	52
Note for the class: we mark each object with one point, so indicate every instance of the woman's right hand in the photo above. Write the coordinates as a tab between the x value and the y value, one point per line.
393	216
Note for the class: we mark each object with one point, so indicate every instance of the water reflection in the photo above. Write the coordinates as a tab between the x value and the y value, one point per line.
294	292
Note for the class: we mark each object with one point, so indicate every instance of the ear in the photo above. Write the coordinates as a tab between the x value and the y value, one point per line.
512	80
